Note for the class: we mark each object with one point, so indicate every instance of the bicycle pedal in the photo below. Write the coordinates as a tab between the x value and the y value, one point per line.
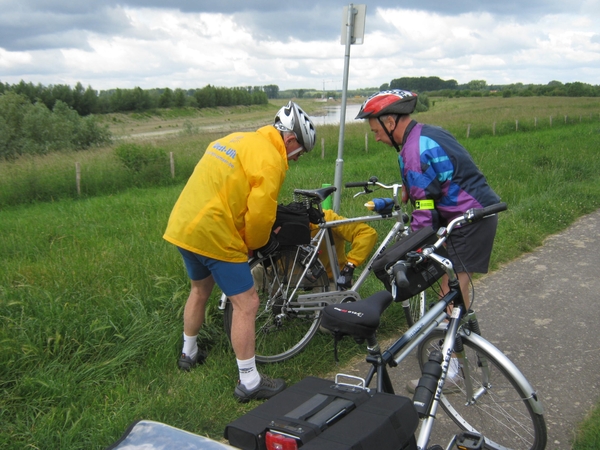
469	441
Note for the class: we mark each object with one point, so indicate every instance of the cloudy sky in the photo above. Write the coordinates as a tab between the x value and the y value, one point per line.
192	43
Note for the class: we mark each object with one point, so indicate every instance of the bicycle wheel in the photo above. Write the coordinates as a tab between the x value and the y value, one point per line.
282	331
501	412
414	308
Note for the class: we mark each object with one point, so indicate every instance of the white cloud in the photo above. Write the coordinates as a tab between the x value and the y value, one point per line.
106	45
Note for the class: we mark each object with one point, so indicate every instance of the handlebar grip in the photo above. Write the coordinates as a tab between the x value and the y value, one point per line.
480	213
399	272
357	184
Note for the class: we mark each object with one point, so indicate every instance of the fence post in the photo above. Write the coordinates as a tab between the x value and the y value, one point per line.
468	130
535	122
565	119
366	142
494	129
550	120
517	125
78	178
322	148
172	162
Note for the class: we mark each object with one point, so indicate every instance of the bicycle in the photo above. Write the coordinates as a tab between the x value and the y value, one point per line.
293	284
489	399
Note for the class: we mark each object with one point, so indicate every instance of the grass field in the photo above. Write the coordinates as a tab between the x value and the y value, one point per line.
91	297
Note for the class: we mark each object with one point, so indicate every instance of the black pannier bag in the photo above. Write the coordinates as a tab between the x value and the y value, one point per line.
421	277
324	415
294	222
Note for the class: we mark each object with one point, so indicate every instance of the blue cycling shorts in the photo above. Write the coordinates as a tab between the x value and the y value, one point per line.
232	278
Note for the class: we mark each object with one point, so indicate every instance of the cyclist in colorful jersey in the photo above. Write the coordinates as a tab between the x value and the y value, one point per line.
226	209
440	179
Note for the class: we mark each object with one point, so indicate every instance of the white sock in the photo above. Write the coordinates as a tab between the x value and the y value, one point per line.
249	376
190	346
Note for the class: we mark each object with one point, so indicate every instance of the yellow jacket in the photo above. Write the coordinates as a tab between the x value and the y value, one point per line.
229	203
362	239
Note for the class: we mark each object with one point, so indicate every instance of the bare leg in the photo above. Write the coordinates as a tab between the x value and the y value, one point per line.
464	280
245	307
193	314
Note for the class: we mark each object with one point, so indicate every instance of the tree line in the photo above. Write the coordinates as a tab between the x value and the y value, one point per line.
86	101
33	128
475	88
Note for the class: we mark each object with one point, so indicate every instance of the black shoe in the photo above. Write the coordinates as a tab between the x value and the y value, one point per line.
186	363
267	388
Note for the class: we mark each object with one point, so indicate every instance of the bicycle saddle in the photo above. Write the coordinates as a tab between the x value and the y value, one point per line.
321	194
359	320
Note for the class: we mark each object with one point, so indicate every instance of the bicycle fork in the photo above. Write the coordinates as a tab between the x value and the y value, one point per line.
447	352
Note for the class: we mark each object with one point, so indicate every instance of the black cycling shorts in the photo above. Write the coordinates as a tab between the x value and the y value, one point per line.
470	246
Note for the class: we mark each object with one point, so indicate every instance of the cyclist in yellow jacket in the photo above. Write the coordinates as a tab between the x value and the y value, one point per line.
362	239
226	209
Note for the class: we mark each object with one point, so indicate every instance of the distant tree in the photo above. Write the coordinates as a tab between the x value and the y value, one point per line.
259	98
206	97
63	93
166	99
27	128
477	85
77	94
179	98
224	97
241	96
578	89
13	108
271	90
384	87
422	84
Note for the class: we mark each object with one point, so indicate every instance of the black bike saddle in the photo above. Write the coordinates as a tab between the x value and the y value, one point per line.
320	194
359	319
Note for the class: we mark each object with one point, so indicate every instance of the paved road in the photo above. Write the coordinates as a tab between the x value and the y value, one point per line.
543	311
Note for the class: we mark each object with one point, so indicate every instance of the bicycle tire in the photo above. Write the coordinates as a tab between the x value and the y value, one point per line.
282	333
414	308
502	415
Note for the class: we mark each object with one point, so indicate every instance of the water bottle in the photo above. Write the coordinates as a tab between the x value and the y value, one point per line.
432	370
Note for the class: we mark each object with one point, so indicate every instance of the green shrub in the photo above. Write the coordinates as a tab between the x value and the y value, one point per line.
138	157
149	165
34	129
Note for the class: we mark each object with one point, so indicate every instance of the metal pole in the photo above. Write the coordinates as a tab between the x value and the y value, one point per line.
339	163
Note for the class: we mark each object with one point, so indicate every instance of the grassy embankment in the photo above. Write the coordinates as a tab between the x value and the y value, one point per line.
91	297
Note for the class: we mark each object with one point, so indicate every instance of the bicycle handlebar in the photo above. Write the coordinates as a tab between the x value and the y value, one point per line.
475	215
373	181
399	272
471	216
357	184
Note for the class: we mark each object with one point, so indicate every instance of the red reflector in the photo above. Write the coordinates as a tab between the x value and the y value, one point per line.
276	441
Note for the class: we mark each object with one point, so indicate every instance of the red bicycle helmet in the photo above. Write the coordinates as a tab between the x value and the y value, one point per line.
394	101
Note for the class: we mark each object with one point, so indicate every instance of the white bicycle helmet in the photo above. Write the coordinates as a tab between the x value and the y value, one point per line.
292	118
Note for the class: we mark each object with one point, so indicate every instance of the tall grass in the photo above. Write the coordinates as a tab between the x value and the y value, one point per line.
51	177
91	297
